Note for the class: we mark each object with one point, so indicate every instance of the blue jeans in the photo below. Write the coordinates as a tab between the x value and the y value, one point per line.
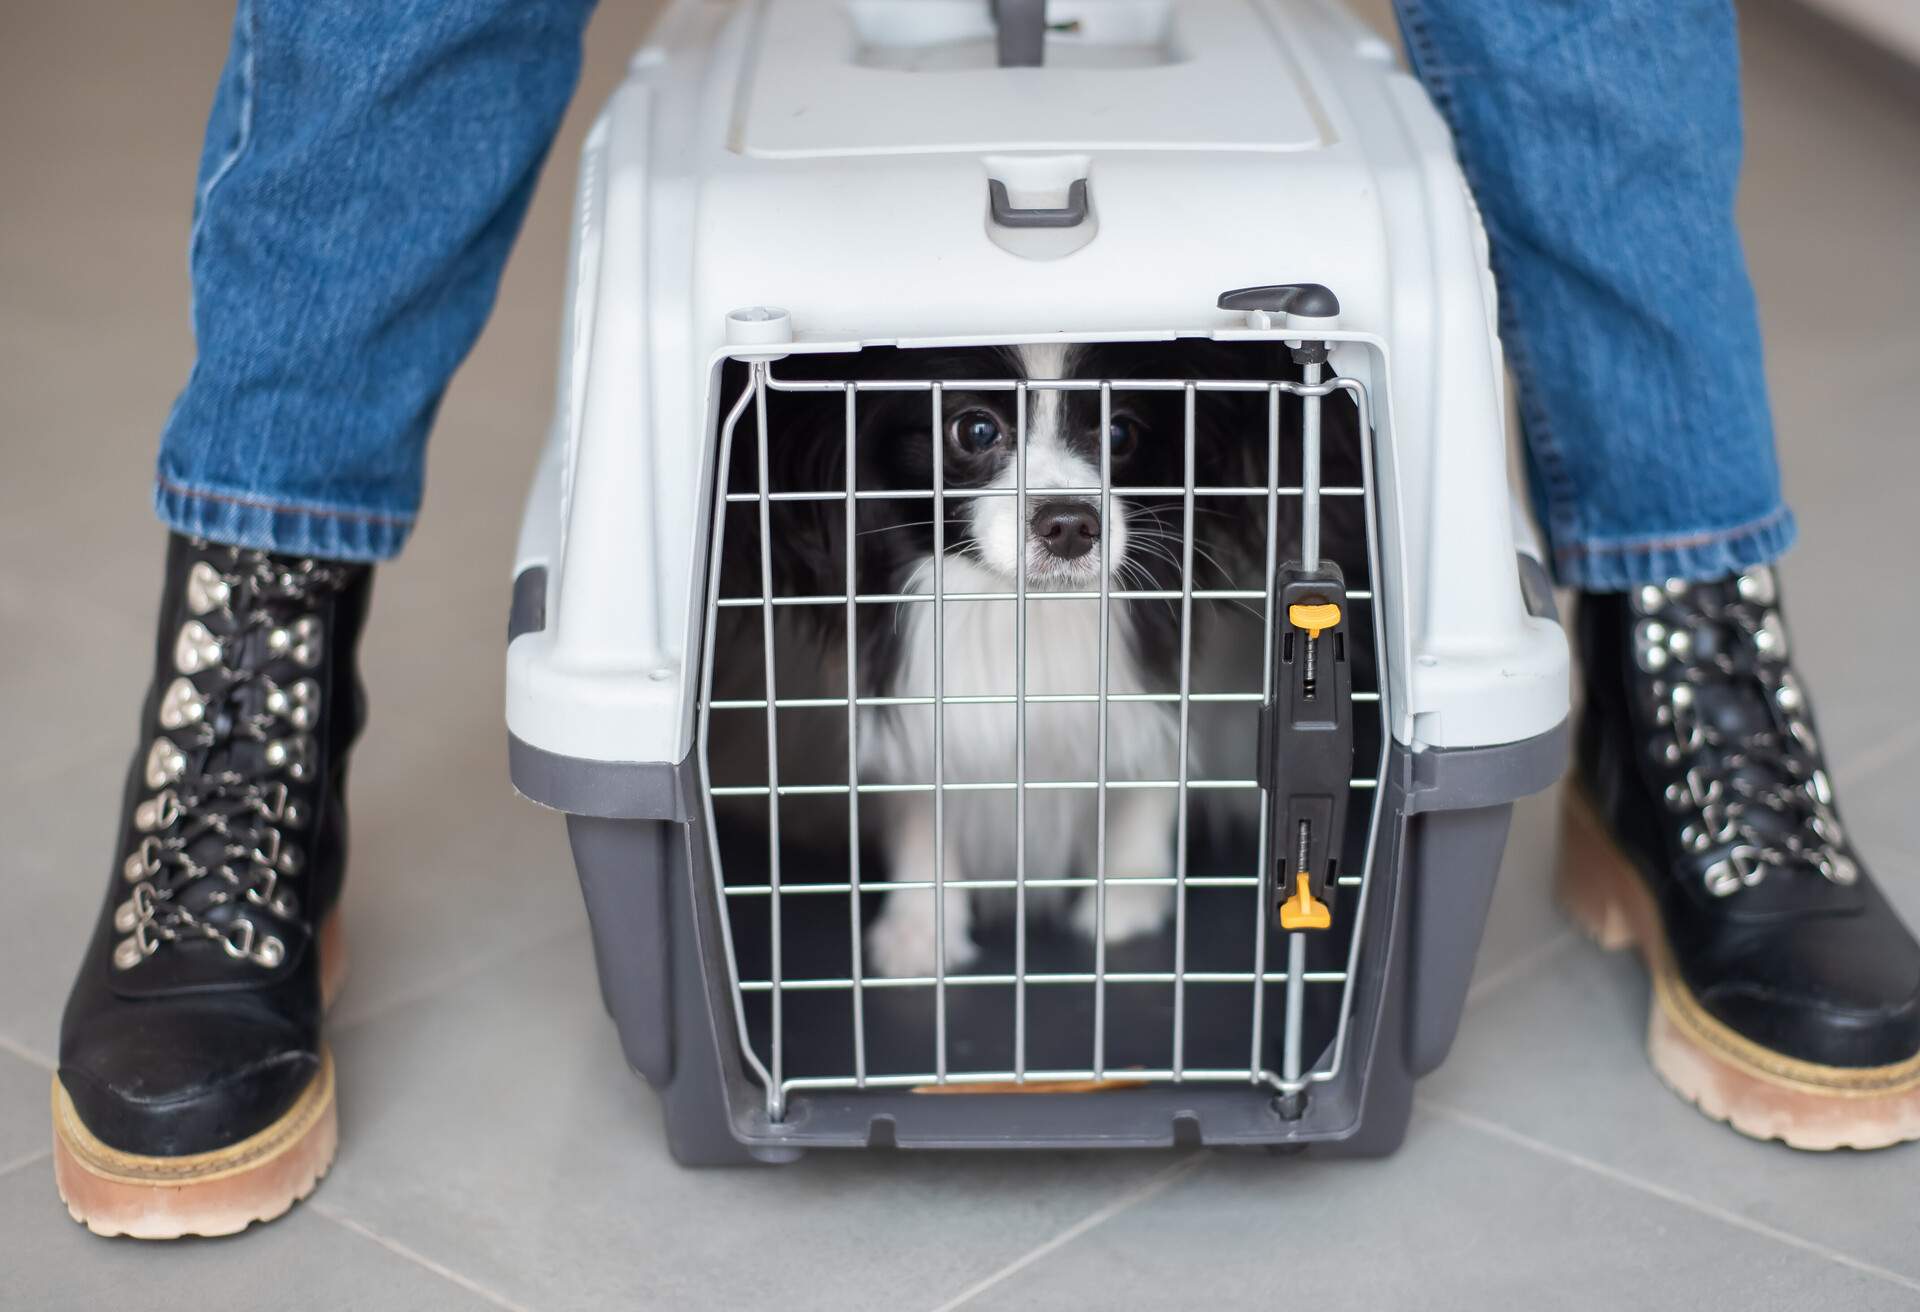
367	166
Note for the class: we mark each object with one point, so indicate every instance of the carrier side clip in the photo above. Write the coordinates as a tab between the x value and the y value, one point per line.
1306	746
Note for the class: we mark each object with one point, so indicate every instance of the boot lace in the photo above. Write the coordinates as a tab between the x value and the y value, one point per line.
219	839
1752	782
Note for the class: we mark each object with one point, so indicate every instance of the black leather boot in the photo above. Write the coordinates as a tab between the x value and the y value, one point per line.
1702	826
194	1095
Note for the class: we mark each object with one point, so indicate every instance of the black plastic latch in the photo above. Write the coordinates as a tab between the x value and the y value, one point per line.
1301	302
1306	746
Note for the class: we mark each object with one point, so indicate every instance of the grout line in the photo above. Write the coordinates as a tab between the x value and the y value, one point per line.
26	1054
418	1259
1492	983
8	1168
1878	756
1725	1215
1159	1181
443	983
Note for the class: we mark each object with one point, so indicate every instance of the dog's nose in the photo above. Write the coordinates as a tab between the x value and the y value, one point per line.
1067	529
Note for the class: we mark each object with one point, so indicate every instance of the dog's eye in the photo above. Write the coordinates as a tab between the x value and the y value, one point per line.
976	431
1123	435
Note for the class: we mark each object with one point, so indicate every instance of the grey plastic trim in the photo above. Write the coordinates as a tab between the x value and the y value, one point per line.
1008	216
528	614
610	790
1536	589
1468	778
1021	32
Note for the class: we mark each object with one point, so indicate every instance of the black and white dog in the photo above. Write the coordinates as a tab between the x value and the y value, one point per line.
965	646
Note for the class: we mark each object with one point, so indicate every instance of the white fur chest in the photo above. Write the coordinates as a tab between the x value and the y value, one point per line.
980	641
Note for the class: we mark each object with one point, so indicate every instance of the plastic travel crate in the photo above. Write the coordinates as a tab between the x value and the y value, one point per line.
797	216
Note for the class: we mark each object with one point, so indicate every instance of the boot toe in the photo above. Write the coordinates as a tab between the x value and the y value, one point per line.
184	1080
1841	992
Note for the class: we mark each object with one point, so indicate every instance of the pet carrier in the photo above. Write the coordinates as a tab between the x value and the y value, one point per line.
1183	834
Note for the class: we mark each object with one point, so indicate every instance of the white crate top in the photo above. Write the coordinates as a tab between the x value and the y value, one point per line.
919	77
833	158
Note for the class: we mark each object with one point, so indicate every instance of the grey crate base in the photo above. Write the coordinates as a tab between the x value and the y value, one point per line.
650	896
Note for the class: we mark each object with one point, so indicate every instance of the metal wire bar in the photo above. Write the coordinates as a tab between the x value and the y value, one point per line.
990	493
1002	699
985	885
773	718
1186	711
912	598
1105	697
1310	561
1140	1075
1362	405
1020	741
853	743
842	984
1268	619
779	384
939	734
997	785
981	884
776	1089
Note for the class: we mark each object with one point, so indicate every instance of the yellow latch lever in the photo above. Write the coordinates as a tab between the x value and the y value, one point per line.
1313	616
1303	910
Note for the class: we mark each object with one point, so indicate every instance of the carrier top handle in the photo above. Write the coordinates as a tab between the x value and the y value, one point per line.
1306	730
1022	28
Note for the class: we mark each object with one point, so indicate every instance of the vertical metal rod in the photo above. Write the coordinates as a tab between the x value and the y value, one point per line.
1310	471
1020	740
1100	745
1262	912
1309	559
773	728
1180	817
1384	709
939	739
722	463
1296	999
853	755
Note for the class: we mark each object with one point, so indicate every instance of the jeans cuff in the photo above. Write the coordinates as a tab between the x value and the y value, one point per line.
1614	565
248	520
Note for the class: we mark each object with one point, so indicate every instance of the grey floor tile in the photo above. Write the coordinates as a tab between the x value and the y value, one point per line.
1560	1057
1885	826
449	869
23	1109
303	1263
55	868
1458	1219
495	1129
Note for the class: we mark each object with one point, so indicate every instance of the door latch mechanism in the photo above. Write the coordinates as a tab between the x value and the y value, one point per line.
1306	747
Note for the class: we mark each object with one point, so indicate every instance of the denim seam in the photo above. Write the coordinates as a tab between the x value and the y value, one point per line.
282	507
1711	537
243	137
1562	503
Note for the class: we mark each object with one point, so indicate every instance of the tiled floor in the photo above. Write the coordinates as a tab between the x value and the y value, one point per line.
497	1152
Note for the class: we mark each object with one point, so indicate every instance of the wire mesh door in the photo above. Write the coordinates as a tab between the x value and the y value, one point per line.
849	678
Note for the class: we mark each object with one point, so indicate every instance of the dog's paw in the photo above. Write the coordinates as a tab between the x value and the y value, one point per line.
1132	910
900	942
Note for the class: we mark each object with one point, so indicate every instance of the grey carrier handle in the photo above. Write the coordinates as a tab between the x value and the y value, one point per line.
1007	215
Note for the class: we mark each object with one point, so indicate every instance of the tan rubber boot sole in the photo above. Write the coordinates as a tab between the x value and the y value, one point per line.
213	1193
1726	1075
